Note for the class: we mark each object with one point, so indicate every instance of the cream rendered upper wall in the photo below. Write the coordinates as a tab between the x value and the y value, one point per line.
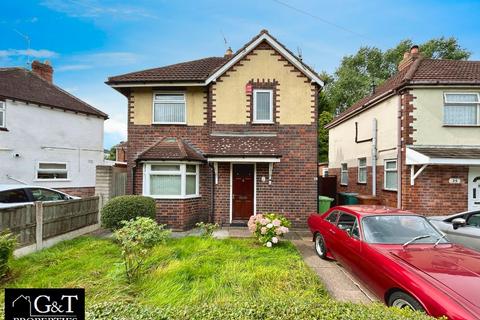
429	120
342	147
295	96
143	105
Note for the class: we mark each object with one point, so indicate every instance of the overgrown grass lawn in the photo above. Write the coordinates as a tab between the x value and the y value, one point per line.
185	271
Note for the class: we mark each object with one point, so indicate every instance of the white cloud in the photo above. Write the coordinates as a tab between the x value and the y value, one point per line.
42	53
97	9
115	125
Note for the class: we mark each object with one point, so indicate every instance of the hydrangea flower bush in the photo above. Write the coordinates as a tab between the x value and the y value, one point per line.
268	228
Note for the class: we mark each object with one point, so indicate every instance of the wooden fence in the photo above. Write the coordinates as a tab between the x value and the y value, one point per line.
41	223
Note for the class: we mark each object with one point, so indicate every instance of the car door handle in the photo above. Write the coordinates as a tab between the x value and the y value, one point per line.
331	231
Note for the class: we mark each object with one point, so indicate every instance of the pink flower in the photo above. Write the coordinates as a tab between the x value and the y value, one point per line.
263	222
275	240
263	230
269	244
276	223
278	231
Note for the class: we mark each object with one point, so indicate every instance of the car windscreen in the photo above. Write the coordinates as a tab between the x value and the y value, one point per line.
399	229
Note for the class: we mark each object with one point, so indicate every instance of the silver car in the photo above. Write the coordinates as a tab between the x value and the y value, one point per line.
463	228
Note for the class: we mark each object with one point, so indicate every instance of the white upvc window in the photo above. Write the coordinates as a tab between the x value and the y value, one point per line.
344	174
362	170
390	175
3	114
262	106
461	109
171	180
52	171
169	108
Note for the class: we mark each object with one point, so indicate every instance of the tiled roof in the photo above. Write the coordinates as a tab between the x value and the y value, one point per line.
170	148
448	152
421	72
196	70
24	85
243	146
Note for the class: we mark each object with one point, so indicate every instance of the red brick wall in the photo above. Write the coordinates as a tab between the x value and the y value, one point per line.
387	197
81	192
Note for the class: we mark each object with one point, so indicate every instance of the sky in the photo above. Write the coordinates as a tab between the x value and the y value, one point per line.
87	41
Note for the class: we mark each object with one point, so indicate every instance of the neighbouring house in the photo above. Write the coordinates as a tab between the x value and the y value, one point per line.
48	137
121	152
415	141
224	138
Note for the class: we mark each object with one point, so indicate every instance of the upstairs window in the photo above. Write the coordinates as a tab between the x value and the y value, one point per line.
3	113
461	109
344	174
362	170
262	106
169	108
52	171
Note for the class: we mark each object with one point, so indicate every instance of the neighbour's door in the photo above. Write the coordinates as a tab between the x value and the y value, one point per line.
242	191
474	188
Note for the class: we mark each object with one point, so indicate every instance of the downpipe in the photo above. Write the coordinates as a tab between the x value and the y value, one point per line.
374	157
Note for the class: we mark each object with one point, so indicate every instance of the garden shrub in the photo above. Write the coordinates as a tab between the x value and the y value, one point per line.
268	228
8	242
125	208
278	309
207	229
136	238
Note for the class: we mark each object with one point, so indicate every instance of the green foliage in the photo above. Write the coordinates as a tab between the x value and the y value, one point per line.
274	309
8	242
354	77
125	208
112	153
324	118
207	229
136	238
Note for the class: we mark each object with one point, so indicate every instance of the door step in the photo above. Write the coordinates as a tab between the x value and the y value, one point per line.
238	223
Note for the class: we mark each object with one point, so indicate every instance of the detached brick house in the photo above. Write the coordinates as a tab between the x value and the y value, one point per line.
414	142
224	138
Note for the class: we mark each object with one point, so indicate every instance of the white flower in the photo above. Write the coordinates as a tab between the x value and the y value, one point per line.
275	240
269	226
269	244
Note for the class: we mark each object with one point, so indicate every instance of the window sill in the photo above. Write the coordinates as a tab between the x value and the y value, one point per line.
52	180
461	125
3	129
362	183
344	185
173	197
389	190
267	123
169	123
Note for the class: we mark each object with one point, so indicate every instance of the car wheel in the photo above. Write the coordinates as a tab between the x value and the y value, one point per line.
320	247
403	300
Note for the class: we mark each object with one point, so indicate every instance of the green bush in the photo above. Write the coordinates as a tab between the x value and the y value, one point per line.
324	309
136	237
207	229
8	243
125	208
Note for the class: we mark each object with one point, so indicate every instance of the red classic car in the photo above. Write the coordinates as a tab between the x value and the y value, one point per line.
402	258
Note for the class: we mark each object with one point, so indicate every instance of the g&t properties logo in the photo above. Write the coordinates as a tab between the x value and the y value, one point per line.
43	304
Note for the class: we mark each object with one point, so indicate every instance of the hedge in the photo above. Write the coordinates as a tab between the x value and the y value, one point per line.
269	310
125	208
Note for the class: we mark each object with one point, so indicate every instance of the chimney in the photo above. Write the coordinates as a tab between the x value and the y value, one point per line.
409	57
43	70
228	53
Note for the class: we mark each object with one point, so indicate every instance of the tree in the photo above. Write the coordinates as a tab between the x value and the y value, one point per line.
354	77
324	118
112	153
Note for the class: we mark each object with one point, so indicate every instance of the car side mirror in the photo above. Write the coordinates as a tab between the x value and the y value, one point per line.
458	222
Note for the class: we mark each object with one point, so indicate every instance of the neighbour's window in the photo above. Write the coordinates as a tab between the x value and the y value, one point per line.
362	170
461	109
344	174
171	180
52	171
13	196
40	194
262	106
3	115
390	175
169	108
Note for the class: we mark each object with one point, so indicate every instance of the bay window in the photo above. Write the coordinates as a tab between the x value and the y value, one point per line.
169	108
390	175
171	180
461	109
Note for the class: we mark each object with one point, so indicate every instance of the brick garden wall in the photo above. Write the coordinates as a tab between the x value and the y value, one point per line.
81	192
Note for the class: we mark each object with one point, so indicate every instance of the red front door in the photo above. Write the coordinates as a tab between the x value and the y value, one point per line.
242	191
